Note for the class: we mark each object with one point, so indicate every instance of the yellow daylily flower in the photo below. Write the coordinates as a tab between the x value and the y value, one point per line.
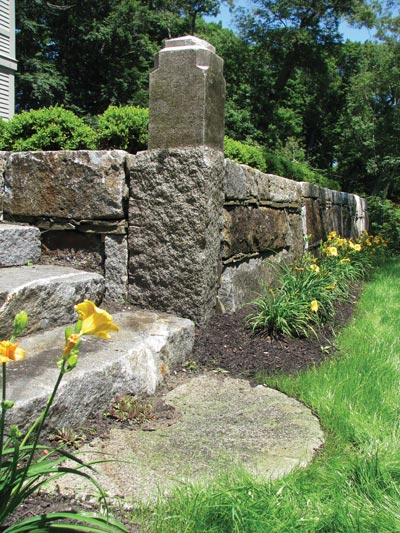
314	306
330	287
10	352
357	247
315	268
95	321
332	251
332	235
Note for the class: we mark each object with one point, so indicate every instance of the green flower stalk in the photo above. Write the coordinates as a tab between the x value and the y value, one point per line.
25	465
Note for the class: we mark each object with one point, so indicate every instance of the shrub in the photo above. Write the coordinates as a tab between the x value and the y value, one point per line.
384	219
244	154
52	128
124	128
298	171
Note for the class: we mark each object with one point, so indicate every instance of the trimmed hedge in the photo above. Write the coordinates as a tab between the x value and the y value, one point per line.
52	128
124	128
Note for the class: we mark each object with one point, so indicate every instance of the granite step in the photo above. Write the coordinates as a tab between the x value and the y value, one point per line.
47	293
133	361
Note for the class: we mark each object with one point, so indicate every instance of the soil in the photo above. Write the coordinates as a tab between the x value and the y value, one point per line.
224	344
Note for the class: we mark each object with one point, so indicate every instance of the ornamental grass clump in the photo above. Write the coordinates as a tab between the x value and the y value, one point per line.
26	466
308	290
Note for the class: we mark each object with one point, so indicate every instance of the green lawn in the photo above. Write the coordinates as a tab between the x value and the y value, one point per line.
353	485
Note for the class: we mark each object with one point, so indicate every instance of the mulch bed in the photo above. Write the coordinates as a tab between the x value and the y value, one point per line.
223	344
226	343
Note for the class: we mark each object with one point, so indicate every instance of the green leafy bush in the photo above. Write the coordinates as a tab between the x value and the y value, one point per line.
124	128
52	128
244	154
298	171
384	219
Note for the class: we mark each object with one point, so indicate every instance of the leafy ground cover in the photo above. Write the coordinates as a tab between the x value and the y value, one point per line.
353	484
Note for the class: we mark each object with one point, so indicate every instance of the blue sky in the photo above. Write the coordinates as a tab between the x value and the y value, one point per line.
348	32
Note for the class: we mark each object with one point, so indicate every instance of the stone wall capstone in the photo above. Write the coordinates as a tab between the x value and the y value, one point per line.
66	184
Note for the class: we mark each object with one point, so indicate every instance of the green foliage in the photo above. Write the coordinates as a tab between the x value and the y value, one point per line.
26	467
307	290
132	409
124	128
384	219
296	170
367	146
299	303
244	154
53	128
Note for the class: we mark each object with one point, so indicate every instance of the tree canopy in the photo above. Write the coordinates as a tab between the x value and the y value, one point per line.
294	86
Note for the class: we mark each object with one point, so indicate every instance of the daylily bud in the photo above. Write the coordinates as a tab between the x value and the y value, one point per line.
20	322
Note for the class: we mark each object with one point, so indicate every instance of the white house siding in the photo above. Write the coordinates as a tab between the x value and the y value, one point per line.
8	63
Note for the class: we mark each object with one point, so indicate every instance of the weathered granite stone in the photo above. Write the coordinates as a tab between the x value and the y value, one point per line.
361	220
314	226
310	190
47	293
242	283
257	184
18	245
175	220
331	219
243	184
248	230
115	227
347	213
295	235
283	190
66	184
133	361
116	268
235	183
187	96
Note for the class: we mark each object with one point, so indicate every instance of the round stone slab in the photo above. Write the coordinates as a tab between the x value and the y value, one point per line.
223	422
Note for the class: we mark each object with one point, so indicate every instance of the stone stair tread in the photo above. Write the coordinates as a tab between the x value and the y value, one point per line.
47	293
133	361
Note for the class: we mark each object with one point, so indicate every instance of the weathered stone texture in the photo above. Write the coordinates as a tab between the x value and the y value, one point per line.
18	245
116	268
241	283
47	293
175	221
187	96
66	184
246	185
313	221
361	217
295	236
248	230
133	361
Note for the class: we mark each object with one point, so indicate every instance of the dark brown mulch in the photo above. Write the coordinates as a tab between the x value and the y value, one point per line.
224	343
